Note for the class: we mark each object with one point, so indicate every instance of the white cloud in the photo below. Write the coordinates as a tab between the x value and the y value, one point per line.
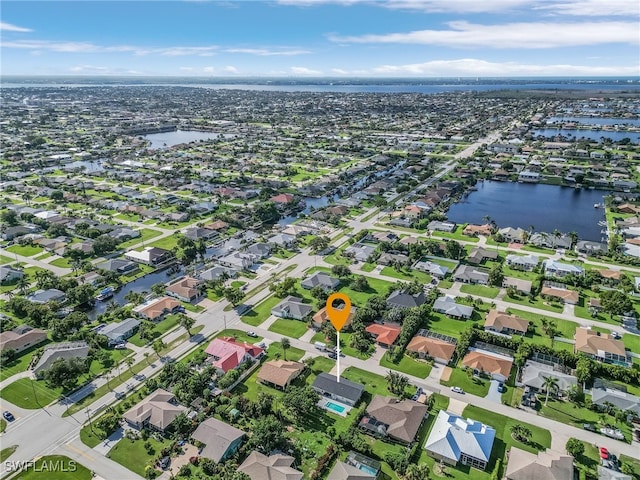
8	27
230	69
206	51
593	8
209	70
69	47
304	71
265	52
512	35
101	70
476	67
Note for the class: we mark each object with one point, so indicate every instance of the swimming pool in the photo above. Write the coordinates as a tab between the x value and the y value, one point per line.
367	469
334	407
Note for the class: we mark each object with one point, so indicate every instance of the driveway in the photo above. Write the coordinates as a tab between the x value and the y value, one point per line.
494	395
188	451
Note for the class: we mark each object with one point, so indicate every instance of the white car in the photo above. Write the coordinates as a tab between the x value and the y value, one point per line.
615	334
252	334
457	390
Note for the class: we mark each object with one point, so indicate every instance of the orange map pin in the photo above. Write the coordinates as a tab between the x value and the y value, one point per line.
338	317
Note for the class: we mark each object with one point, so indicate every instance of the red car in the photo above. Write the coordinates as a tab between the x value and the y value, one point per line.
604	453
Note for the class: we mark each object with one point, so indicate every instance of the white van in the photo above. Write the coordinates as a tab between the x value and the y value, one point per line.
320	346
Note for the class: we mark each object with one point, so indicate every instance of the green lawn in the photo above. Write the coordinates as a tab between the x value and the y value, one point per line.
19	364
480	290
376	287
275	351
406	274
21	393
440	323
61	262
25	250
167	242
407	365
167	323
89	437
537	303
260	312
289	328
57	467
373	383
473	385
239	335
7	452
3	425
566	328
133	455
632	342
456	235
146	234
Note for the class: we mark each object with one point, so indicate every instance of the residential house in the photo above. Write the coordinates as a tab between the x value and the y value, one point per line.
550	240
216	273
226	353
21	338
438	226
118	265
321	317
397	420
11	233
553	268
470	274
156	411
527	176
355	467
534	374
514	235
522	286
544	465
218	225
186	289
63	350
391	258
475	230
480	254
220	439
283	240
274	467
490	363
282	199
43	297
388	237
502	322
604	396
237	261
454	439
385	335
292	307
447	305
157	308
600	346
359	251
522	262
428	347
197	233
118	332
559	292
591	248
149	256
259	250
345	391
9	274
605	473
280	373
403	299
432	268
320	279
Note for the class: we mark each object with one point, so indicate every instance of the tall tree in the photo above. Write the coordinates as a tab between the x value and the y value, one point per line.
550	383
285	343
186	322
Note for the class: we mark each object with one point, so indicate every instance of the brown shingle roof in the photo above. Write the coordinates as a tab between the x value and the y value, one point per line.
591	342
403	418
487	363
431	346
502	320
280	372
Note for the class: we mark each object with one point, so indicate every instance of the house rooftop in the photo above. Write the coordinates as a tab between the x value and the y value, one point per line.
217	437
345	388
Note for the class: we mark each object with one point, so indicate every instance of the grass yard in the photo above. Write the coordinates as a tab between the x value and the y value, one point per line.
3	425
239	335
7	452
275	351
57	467
61	262
25	250
473	385
289	328
406	274
146	234
632	342
133	455
21	393
168	323
373	383
537	303
260	312
167	242
456	235
440	323
345	342
480	290
407	365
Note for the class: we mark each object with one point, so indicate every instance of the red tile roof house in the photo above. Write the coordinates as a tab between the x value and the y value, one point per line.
283	198
186	289
226	353
385	335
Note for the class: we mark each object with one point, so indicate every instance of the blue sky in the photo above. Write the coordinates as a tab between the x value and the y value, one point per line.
333	38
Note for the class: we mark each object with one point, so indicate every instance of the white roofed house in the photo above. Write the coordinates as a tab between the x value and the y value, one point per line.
522	262
447	305
554	268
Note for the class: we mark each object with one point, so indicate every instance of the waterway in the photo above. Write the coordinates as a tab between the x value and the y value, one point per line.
546	207
142	284
169	139
594	135
595	120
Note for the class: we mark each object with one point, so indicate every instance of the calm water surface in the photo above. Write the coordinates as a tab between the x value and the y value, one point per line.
595	135
596	120
546	207
169	139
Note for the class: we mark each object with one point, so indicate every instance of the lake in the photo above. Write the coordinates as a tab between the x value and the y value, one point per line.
596	120
595	135
546	207
169	139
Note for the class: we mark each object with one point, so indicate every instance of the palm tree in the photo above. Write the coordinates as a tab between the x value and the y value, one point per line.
146	357
550	383
22	284
520	433
417	472
157	346
130	361
285	344
574	238
186	322
107	375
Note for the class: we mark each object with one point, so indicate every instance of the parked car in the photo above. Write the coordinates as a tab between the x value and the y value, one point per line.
333	355
120	395
262	345
252	334
457	390
164	462
604	453
121	346
501	387
8	416
615	335
590	427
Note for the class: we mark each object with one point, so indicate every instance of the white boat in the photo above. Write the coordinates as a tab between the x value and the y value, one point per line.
612	433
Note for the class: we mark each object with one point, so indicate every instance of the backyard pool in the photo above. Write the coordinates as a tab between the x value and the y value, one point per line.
339	409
